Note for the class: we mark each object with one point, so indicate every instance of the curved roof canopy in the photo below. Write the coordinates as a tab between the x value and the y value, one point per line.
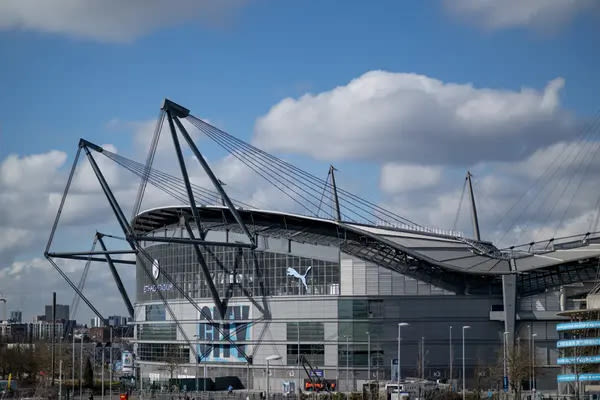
450	262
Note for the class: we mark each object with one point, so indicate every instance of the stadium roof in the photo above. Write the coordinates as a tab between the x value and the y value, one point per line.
451	262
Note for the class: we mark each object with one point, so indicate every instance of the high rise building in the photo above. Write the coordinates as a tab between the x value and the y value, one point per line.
62	312
117	320
15	317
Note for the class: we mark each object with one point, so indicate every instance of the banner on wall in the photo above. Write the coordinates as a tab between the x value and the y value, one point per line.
237	328
127	361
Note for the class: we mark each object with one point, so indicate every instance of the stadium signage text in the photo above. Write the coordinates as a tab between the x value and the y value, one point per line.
161	287
238	330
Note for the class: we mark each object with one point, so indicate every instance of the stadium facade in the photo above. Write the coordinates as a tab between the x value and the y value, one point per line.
220	290
326	303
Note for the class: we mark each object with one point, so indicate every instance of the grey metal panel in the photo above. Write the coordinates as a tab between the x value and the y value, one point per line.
372	278
481	264
431	243
358	277
385	282
346	264
448	254
410	286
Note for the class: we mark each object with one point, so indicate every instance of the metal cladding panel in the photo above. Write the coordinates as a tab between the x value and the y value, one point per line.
385	282
426	243
372	276
346	277
448	255
398	283
481	264
359	286
410	286
331	355
555	258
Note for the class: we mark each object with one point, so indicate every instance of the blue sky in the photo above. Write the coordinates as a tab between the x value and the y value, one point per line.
57	88
72	71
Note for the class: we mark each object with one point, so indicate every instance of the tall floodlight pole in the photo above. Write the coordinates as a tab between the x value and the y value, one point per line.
422	357
60	379
368	356
347	364
102	370
81	368
110	372
465	327
529	357
400	325
274	357
197	356
533	361
73	363
450	357
505	372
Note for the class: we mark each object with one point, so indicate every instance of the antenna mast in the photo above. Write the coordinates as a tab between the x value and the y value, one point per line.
335	195
473	208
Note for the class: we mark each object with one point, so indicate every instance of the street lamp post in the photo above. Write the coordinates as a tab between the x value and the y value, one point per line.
400	325
505	372
274	357
529	354
463	360
533	362
110	371
347	364
422	357
196	356
102	370
73	364
368	356
450	357
81	369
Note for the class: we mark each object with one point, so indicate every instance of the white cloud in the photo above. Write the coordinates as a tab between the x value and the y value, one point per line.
397	177
110	20
388	116
552	192
541	15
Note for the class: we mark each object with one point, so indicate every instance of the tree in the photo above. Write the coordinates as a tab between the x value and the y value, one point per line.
518	368
88	374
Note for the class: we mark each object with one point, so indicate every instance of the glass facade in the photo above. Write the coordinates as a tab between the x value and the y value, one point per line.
309	331
157	332
155	312
164	352
231	269
313	353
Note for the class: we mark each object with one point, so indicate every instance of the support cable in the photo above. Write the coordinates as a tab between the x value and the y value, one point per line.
300	174
566	157
259	161
315	185
82	280
458	210
149	162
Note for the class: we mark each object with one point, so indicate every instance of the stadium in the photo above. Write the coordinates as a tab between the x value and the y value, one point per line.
274	298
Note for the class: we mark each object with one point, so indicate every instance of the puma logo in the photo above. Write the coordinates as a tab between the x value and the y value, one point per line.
296	274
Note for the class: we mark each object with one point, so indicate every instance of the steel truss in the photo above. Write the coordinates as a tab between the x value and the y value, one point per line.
173	112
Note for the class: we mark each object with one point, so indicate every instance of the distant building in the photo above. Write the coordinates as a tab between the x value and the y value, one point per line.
43	330
116	320
95	322
62	312
39	318
99	334
15	317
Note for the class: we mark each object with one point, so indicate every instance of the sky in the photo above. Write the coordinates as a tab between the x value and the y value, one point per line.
402	97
